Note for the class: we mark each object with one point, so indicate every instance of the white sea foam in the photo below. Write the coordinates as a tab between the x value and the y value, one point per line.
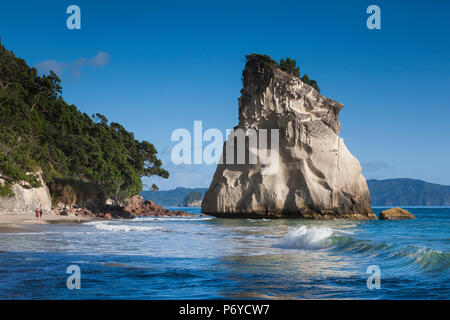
303	237
109	226
172	219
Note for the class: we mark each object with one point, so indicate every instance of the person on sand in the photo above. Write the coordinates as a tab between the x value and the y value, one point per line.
38	214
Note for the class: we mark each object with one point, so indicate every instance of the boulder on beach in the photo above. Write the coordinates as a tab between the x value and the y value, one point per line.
396	214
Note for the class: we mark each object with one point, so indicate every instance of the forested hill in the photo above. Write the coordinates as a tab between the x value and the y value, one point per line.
173	197
39	130
408	192
389	192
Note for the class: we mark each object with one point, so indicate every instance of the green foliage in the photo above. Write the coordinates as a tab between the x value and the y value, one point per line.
408	192
313	83
172	197
38	129
287	65
305	78
193	196
71	191
265	59
290	66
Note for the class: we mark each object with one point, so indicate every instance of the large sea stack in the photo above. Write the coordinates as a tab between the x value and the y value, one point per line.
317	177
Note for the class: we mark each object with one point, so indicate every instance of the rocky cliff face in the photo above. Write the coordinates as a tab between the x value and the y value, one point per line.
317	177
195	203
28	199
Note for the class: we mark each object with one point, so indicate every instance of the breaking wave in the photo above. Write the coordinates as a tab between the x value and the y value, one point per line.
317	238
310	238
110	226
172	218
426	258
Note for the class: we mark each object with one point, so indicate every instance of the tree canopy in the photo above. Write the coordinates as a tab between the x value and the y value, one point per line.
193	196
38	129
290	66
287	65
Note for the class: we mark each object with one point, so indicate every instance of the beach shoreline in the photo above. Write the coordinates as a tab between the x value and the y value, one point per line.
14	220
20	221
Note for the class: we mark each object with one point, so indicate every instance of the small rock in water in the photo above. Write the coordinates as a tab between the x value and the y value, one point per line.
396	214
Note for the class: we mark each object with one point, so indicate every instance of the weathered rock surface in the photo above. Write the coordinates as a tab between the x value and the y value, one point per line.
317	176
195	203
396	214
27	199
132	208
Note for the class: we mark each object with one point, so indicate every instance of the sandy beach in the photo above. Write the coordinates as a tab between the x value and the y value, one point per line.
15	221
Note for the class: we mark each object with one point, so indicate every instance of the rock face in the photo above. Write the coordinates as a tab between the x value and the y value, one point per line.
28	199
317	177
196	203
193	199
396	214
131	208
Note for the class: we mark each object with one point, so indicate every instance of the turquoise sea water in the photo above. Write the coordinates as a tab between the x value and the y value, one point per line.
209	258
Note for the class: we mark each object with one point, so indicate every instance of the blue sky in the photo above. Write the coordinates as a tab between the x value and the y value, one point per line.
158	66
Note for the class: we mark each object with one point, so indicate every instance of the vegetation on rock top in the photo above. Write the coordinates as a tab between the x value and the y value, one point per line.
287	65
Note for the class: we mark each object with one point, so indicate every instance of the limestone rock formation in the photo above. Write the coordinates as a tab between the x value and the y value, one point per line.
317	177
193	199
28	199
396	214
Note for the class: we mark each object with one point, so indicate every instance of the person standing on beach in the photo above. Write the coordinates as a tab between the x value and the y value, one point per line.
40	212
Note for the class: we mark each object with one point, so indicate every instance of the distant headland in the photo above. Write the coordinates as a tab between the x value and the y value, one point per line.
387	192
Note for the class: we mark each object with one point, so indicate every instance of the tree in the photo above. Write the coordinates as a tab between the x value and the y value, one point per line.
39	130
287	65
313	83
305	78
152	188
193	196
265	59
290	66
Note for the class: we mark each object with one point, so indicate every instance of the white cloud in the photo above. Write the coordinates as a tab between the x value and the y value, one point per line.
375	166
75	67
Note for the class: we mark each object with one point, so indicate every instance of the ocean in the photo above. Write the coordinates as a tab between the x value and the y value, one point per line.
210	258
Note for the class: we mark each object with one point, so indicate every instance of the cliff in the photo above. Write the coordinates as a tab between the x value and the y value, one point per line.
27	199
193	199
316	177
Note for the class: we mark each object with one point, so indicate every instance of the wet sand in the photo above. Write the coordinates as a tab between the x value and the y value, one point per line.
21	222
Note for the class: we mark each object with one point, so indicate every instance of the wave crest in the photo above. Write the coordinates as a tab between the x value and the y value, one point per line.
426	258
309	238
108	226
